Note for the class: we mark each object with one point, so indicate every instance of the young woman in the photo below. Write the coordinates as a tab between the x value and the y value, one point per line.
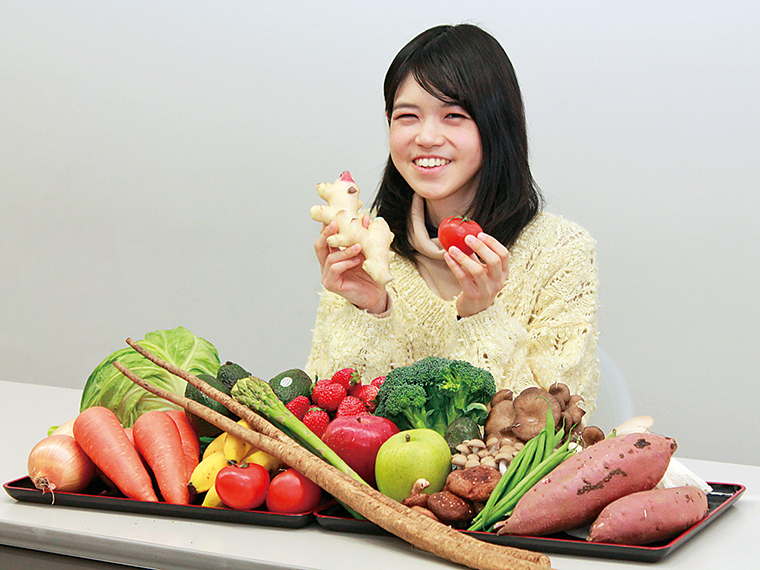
524	304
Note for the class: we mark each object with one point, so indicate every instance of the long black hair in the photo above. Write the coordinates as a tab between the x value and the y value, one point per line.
466	65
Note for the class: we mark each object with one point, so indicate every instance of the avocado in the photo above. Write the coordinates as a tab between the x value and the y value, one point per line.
201	426
461	429
229	373
291	383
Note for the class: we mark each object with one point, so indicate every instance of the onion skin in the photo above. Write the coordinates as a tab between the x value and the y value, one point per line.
57	463
65	429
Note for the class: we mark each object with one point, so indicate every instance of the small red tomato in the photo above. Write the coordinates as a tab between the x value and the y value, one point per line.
292	493
453	230
243	486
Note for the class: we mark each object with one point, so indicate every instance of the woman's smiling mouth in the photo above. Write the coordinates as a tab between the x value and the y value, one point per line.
430	162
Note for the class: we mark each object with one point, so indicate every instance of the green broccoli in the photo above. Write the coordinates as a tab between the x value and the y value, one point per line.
433	392
405	405
468	389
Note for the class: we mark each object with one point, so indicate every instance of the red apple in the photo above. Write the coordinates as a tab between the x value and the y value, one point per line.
357	439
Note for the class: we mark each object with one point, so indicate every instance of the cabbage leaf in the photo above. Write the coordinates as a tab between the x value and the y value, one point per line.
108	387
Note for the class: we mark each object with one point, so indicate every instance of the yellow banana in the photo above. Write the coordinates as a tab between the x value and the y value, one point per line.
236	449
212	498
262	458
204	474
216	444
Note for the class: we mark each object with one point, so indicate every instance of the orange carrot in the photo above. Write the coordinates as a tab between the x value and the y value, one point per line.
158	440
101	436
190	442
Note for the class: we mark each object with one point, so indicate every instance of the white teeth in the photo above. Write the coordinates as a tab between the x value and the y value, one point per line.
430	162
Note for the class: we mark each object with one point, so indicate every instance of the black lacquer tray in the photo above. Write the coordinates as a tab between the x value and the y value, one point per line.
334	517
93	498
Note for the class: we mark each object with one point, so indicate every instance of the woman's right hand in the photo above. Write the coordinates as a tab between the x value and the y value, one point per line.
342	273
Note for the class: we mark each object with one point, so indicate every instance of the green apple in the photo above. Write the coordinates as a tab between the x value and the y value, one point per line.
410	455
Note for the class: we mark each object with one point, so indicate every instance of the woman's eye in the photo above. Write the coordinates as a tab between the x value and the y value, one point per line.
456	116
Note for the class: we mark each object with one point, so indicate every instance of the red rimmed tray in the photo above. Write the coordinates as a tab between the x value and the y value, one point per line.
23	490
333	517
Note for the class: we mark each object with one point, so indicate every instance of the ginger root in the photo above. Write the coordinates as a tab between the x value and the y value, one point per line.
343	207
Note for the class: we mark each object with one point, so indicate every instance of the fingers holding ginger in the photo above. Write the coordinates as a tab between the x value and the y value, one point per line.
342	208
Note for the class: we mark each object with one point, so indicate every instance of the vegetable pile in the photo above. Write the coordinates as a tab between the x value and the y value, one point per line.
521	464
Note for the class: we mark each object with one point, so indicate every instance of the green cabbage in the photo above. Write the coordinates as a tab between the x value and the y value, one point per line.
108	387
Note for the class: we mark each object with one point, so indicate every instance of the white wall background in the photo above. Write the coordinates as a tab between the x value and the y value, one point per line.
158	161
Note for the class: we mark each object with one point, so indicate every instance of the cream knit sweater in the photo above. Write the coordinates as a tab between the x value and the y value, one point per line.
542	327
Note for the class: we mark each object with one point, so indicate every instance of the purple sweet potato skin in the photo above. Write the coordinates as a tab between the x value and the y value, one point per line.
574	493
649	516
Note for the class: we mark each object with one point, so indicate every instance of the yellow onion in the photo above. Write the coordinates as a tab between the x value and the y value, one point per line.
64	429
57	463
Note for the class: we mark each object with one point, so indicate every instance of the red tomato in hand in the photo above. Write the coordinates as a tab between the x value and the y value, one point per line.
453	230
292	493
243	486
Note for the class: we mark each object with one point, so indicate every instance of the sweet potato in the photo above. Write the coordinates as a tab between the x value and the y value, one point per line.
649	516
574	493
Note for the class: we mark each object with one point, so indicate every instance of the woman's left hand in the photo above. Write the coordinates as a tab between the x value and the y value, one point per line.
481	275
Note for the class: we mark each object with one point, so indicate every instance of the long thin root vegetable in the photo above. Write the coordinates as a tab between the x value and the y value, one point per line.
343	207
98	431
158	440
416	529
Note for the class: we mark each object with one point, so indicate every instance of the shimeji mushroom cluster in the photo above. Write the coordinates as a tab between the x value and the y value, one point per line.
514	420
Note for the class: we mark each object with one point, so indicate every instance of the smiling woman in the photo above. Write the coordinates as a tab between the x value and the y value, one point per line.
523	302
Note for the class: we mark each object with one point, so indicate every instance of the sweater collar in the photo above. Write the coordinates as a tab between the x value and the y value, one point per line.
430	262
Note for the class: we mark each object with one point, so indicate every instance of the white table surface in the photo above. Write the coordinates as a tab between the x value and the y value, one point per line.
26	411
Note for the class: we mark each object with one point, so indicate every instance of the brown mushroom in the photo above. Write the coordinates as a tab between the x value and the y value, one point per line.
591	435
500	396
450	509
530	412
561	392
575	412
474	484
425	511
500	419
417	497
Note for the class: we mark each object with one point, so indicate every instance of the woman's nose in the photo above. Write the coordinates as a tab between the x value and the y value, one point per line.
429	134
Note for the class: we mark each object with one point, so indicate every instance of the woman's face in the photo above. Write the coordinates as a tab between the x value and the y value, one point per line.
436	147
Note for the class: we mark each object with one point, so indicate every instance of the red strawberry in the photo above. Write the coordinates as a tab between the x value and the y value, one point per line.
346	377
299	406
367	395
378	381
351	406
328	396
316	419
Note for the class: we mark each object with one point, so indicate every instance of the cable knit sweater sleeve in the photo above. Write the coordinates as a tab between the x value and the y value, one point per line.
541	329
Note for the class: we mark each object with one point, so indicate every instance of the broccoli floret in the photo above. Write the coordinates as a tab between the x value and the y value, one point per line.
404	405
433	392
467	390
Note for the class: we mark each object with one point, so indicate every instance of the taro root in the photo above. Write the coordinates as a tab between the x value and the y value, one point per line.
450	509
474	484
530	412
